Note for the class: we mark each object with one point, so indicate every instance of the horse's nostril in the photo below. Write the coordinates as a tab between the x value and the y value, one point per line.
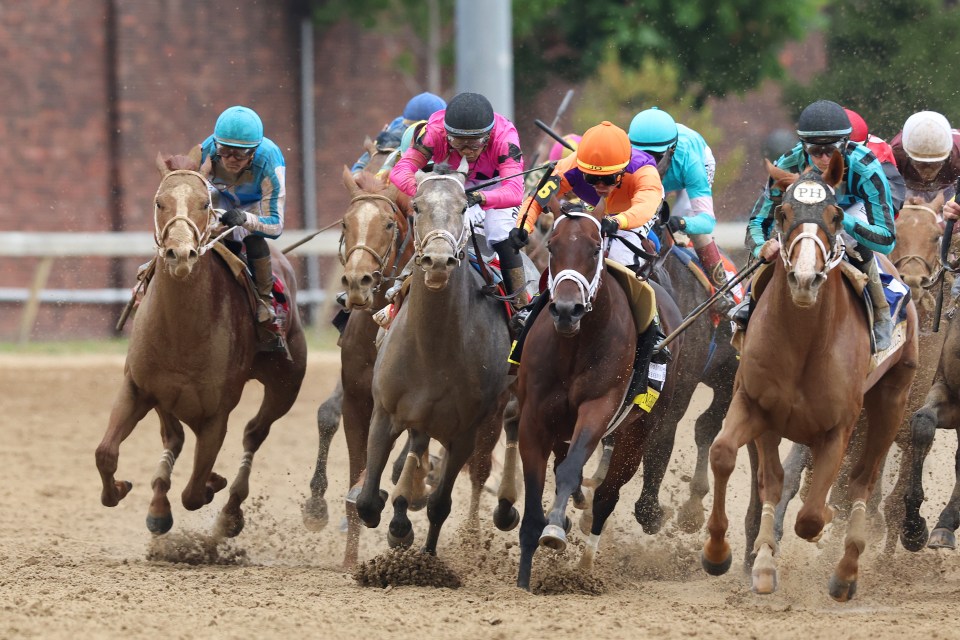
193	255
426	263
451	262
170	254
578	310
343	281
366	281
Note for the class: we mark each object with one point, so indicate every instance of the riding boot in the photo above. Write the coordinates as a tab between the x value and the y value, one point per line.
712	264
882	323
270	335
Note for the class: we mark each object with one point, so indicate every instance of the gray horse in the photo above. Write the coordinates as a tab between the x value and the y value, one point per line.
442	370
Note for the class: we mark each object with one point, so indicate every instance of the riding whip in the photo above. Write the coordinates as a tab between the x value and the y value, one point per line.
553	125
310	237
547	129
737	279
944	251
484	185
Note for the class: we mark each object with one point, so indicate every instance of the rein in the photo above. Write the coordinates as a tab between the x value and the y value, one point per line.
457	244
588	288
393	248
202	238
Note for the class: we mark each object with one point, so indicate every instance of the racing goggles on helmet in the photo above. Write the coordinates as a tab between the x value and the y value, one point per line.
815	148
469	144
609	179
237	153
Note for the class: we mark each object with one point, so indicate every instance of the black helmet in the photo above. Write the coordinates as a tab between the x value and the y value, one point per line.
469	115
823	121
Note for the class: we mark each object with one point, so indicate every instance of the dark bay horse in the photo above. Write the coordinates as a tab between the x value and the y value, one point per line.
573	377
192	350
805	373
376	243
441	371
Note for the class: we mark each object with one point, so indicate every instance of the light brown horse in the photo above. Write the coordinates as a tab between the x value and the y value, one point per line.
805	374
192	350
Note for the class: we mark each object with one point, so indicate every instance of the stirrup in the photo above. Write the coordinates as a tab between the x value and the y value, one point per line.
739	314
341	299
519	318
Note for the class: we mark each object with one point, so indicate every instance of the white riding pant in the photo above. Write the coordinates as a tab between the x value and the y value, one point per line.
496	223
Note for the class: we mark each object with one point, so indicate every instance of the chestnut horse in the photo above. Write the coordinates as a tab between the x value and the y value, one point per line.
376	243
573	378
192	349
441	371
805	373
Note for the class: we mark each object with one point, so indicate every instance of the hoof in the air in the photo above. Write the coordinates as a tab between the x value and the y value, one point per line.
315	514
764	581
229	526
841	590
914	540
404	541
505	516
718	568
942	539
159	526
553	537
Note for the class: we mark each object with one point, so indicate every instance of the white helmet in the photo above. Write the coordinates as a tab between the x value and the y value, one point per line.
927	137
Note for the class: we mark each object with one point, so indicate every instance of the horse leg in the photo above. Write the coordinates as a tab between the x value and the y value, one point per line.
893	506
600	473
937	411
944	536
647	510
129	408
315	513
440	501
534	444
210	435
357	410
505	516
769	486
797	460
371	500
159	517
741	425
488	435
410	486
399	463
690	517
624	462
826	457
751	520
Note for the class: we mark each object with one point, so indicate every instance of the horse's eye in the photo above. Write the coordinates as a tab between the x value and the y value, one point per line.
390	226
596	251
159	204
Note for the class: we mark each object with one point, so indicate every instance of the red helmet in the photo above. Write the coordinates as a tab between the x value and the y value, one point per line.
860	130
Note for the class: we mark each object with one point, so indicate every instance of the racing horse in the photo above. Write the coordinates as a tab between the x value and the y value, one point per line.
441	371
574	377
806	371
376	243
192	349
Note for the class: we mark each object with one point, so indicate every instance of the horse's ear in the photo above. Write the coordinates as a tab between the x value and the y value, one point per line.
162	165
196	154
780	175
369	145
937	204
834	173
778	214
206	169
349	181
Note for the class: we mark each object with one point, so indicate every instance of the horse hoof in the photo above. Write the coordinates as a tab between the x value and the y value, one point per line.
159	526
418	504
942	539
914	540
229	526
690	518
764	581
650	517
315	514
842	590
353	494
402	541
716	568
113	498
553	537
567	524
505	516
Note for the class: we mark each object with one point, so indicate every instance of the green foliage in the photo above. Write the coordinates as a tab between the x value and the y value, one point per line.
888	59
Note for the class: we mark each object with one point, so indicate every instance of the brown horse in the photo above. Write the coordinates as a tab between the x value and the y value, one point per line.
192	350
805	373
573	378
376	243
441	372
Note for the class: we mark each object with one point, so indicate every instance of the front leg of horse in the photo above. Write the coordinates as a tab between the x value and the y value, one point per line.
797	460
440	501
843	582
203	483
690	517
411	488
944	535
648	511
159	515
314	511
128	409
372	499
230	522
505	515
923	427
569	475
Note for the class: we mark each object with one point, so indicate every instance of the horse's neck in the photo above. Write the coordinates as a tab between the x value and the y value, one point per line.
815	326
431	311
184	307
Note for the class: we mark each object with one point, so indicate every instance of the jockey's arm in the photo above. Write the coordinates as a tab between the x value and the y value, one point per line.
697	185
871	187
404	173
761	222
951	211
267	217
645	199
531	208
508	193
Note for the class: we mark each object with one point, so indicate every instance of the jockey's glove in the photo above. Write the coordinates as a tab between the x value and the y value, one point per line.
233	218
609	226
677	223
518	238
473	198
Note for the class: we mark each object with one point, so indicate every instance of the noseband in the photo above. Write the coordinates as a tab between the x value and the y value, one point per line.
201	237
457	244
391	250
588	288
830	258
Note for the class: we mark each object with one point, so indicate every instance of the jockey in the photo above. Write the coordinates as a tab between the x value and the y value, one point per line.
823	127
420	107
884	153
468	129
927	151
687	166
248	180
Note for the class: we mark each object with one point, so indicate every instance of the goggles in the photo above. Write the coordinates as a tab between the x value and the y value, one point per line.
609	179
469	144
815	149
237	153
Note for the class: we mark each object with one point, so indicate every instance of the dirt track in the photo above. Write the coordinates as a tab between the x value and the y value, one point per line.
70	567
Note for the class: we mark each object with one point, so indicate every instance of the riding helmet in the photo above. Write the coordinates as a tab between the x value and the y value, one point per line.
558	151
469	115
604	149
927	137
859	125
823	121
238	127
422	106
653	130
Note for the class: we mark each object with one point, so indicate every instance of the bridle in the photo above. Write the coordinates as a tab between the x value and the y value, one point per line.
933	275
588	288
392	249
201	237
457	244
830	258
